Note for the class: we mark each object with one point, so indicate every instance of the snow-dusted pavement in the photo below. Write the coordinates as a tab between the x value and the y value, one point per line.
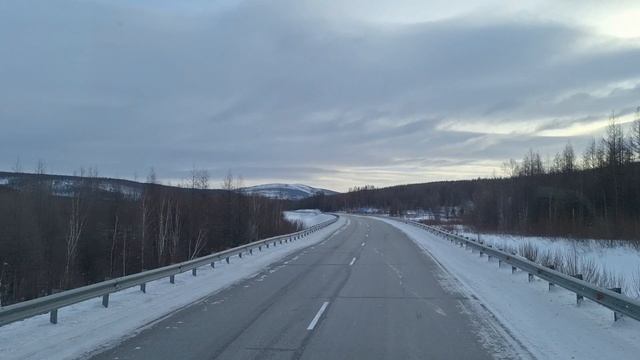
366	293
86	326
549	324
357	289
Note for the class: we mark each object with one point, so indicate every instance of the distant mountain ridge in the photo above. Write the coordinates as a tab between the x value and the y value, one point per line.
286	191
65	185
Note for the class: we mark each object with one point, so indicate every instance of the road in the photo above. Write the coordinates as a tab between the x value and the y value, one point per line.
365	293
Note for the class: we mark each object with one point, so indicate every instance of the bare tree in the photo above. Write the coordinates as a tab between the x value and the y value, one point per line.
17	166
590	156
614	143
227	182
124	253
199	244
568	159
151	177
41	167
564	162
114	238
146	213
175	229
163	229
76	224
532	164
199	179
511	168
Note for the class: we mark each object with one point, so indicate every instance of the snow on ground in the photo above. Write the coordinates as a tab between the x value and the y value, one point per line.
619	258
548	324
87	326
307	218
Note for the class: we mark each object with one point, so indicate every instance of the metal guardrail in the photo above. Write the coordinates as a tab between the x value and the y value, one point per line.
52	303
620	304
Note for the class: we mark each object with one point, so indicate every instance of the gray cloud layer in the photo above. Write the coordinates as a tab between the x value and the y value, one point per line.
276	93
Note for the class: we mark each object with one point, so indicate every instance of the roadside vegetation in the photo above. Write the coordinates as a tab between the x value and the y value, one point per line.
57	236
593	195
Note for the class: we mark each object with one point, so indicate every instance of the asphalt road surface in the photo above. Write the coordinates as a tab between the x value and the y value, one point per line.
367	292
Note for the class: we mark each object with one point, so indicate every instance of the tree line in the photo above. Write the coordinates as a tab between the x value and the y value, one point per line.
58	233
594	194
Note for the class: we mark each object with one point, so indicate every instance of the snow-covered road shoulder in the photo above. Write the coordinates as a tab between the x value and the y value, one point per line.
548	324
307	218
87	326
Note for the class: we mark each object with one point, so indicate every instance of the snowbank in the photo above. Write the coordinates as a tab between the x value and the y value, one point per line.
307	218
618	258
549	324
87	326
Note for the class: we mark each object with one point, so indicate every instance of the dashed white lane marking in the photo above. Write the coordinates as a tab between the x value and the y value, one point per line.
317	317
352	262
362	244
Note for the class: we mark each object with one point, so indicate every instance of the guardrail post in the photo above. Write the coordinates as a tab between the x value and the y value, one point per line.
260	248
240	255
213	264
143	287
579	298
172	279
194	271
551	285
53	316
513	269
105	300
481	253
250	251
227	259
616	315
499	263
530	277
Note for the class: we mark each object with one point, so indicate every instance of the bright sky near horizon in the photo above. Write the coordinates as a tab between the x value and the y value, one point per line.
329	93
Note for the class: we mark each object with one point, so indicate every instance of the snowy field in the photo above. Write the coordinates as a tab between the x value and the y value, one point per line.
307	218
84	327
618	261
548	324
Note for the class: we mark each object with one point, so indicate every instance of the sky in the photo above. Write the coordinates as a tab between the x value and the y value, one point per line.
328	93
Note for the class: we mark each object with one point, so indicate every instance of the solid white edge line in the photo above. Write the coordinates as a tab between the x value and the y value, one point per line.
317	317
352	262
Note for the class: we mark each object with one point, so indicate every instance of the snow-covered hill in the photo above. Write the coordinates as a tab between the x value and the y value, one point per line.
286	191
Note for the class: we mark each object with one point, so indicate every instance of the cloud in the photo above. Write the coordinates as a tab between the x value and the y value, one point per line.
281	91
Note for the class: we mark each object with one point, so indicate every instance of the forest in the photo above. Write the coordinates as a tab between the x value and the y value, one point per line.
595	194
59	233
